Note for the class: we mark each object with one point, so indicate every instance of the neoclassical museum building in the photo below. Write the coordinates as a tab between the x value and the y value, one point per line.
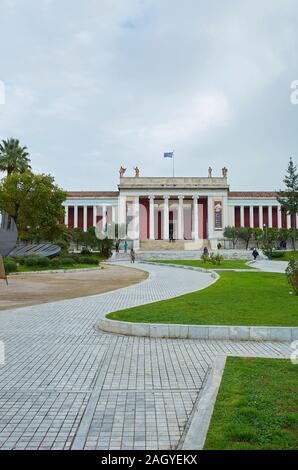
174	212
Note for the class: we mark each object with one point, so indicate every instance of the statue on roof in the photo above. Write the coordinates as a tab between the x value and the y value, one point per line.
122	171
224	172
209	172
137	172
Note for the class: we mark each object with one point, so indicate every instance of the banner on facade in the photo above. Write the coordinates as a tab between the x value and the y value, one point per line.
217	211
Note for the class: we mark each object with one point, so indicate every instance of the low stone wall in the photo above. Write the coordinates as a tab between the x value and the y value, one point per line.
211	332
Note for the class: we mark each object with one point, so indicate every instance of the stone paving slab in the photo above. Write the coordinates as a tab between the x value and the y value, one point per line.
65	385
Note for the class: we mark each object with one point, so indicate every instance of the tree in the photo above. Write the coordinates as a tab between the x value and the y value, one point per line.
292	274
35	203
245	233
288	198
258	235
232	233
13	157
77	235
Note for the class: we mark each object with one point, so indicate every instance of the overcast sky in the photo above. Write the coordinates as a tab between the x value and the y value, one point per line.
95	84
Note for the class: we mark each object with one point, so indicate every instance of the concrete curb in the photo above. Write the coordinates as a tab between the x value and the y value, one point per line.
211	332
197	432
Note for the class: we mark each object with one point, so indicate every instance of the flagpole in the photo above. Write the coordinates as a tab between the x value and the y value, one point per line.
173	166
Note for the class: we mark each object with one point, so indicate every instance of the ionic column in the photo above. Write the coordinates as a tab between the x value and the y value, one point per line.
288	220
151	218
251	216
85	218
166	217
195	218
270	218
261	217
180	219
241	216
94	215
66	216
75	221
104	218
279	217
114	214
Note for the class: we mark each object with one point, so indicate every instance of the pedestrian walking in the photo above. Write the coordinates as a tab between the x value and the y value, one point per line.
125	246
255	253
132	255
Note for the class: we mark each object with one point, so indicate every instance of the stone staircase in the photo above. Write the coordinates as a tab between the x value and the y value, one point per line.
161	245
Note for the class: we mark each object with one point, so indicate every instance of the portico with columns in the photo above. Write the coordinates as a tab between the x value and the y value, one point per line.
155	212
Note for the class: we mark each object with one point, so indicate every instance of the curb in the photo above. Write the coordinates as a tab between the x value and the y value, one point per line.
53	271
198	429
207	332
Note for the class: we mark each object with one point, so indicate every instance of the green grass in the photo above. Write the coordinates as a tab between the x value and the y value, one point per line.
286	256
225	264
22	268
246	298
256	407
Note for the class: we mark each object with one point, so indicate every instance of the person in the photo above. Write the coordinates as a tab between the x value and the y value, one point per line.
132	255
205	251
255	253
117	246
125	246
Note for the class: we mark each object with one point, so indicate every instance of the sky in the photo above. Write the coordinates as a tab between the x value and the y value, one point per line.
92	85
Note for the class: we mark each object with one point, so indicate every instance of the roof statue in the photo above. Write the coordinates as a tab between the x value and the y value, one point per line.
122	171
137	171
209	172
224	172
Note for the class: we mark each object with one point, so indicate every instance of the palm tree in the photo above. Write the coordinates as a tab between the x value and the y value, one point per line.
13	157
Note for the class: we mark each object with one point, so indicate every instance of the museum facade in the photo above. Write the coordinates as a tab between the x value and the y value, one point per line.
157	211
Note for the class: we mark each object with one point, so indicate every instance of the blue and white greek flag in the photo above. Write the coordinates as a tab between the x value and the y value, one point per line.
168	154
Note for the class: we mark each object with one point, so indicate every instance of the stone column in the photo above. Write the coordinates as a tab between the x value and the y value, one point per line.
210	218
75	221
251	216
232	216
270	218
94	215
279	217
85	224
66	216
261	217
195	218
241	216
288	220
104	218
166	218
151	218
114	215
180	219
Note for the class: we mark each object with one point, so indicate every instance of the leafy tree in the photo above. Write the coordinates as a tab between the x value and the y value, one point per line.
13	157
232	233
292	274
105	247
245	233
288	198
35	203
258	235
77	235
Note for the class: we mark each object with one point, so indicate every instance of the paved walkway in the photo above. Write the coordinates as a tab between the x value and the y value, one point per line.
64	385
271	266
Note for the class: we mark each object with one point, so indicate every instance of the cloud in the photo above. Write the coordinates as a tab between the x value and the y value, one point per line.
93	85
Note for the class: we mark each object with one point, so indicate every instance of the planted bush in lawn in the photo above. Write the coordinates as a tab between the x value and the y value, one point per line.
88	260
10	265
67	261
292	274
55	263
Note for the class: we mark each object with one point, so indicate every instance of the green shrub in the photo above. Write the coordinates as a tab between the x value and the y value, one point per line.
85	252
277	254
67	261
43	262
10	265
32	261
88	260
55	263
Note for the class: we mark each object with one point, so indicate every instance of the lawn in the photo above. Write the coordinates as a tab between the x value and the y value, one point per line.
256	407
225	264
246	298
286	256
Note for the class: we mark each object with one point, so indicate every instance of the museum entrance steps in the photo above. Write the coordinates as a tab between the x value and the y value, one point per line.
177	245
